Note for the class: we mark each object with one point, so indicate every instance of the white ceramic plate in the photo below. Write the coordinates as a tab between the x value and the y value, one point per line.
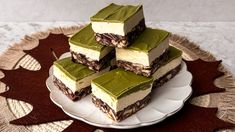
166	101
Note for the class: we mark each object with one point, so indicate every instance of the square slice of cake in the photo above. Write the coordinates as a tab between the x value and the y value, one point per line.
169	68
73	79
120	93
118	25
146	53
87	51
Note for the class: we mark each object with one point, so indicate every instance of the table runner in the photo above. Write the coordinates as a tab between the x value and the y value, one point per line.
15	57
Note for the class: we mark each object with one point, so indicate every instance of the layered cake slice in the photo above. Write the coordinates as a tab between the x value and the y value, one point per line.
146	53
87	51
118	25
169	68
73	79
120	93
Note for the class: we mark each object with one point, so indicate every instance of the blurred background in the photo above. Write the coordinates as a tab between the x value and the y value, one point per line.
81	10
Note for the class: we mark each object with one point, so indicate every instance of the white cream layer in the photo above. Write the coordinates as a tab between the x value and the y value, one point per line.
118	28
166	68
90	53
140	57
76	85
119	104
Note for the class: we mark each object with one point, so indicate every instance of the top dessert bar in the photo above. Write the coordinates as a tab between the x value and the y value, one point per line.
146	53
118	25
87	51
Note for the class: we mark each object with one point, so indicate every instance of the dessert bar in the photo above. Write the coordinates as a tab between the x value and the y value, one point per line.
87	51
169	68
118	25
146	53
74	79
120	93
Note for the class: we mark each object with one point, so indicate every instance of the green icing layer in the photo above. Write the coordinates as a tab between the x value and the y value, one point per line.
73	70
173	53
148	40
118	83
116	13
85	38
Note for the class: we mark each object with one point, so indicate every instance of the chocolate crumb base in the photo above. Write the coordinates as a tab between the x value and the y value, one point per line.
114	40
73	96
169	75
92	64
123	114
143	70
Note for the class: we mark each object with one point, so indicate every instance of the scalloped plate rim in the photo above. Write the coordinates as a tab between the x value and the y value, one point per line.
141	124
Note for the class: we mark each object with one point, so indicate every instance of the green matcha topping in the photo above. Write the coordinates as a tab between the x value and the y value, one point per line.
116	13
148	40
119	83
85	38
173	53
73	70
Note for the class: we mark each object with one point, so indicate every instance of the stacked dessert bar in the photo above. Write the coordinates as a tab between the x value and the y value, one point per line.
88	60
117	25
85	50
143	57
